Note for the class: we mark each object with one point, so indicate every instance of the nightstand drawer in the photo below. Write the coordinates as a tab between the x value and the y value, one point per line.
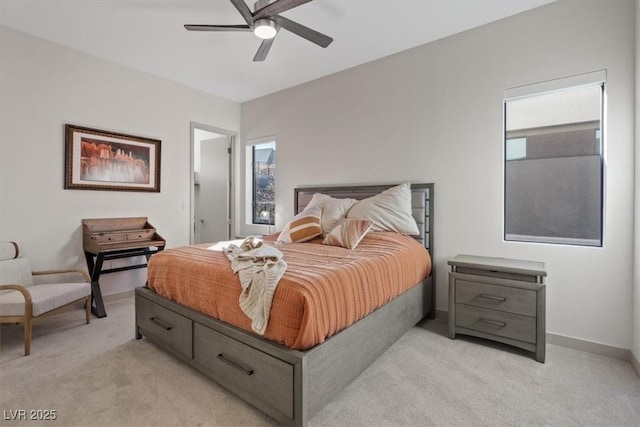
502	298
514	326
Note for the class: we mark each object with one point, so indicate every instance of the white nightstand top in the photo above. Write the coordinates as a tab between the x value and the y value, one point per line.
506	265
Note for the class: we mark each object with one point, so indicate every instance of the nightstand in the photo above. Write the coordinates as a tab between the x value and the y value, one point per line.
498	299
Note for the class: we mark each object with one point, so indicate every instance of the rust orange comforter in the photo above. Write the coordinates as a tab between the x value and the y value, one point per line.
324	290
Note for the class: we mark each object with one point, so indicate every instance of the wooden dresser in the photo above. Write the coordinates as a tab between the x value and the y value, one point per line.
498	299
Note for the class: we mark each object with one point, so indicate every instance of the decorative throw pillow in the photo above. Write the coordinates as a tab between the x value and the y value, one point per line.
333	210
348	233
302	227
389	210
8	250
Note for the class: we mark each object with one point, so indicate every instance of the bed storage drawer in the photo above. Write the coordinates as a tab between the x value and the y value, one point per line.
514	326
160	323
253	375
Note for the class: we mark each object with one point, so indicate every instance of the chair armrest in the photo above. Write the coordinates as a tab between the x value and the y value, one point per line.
24	291
71	270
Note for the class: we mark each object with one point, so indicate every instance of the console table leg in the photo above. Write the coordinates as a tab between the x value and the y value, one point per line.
96	295
97	304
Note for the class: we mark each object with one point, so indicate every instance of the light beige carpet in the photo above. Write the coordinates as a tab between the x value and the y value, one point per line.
98	374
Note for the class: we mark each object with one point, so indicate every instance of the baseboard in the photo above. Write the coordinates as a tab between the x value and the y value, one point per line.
589	346
119	296
578	344
595	348
635	363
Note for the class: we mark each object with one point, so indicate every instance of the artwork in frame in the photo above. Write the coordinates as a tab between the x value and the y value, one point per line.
102	160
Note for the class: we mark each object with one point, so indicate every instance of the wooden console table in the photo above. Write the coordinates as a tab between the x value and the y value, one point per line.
114	238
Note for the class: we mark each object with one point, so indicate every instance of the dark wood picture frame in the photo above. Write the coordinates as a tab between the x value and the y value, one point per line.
103	160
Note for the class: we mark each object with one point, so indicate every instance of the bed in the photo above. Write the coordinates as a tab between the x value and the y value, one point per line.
291	385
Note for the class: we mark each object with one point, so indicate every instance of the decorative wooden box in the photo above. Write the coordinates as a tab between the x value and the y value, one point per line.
109	234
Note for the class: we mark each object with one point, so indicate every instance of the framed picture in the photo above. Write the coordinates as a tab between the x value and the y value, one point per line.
101	160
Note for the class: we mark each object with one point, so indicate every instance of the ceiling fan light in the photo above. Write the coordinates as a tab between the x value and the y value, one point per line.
265	29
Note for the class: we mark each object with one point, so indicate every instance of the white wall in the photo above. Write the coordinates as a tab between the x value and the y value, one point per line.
434	114
44	86
636	281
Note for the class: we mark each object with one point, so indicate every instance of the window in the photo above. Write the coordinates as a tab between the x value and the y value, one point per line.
554	167
264	180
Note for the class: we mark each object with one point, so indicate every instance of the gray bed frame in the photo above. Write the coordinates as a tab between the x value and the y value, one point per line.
290	385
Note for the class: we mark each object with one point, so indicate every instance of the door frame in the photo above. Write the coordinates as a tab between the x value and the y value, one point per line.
233	138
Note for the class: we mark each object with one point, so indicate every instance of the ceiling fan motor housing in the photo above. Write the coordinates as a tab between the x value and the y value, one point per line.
265	28
260	4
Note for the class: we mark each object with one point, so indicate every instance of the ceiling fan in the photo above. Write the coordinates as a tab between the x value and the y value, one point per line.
265	21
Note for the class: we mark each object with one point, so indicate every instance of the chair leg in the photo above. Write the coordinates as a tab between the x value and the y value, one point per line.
87	307
27	335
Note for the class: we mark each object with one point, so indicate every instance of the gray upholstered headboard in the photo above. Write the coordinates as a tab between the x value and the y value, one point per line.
421	202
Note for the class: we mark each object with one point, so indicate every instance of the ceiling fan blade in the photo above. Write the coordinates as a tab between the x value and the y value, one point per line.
191	27
244	10
263	50
304	32
277	7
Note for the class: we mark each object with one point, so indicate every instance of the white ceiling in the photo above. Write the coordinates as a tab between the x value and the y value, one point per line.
149	35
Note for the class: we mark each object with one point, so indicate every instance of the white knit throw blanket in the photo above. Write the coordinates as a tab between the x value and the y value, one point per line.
259	267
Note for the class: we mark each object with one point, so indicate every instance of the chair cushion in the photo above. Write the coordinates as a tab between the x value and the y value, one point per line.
15	271
45	297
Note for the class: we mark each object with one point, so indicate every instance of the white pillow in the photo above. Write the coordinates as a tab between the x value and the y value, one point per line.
389	210
333	210
302	227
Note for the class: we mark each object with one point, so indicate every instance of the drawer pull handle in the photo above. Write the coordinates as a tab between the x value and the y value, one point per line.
234	365
492	322
164	325
493	297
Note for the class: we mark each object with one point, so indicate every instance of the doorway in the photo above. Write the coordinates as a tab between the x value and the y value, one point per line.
211	184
